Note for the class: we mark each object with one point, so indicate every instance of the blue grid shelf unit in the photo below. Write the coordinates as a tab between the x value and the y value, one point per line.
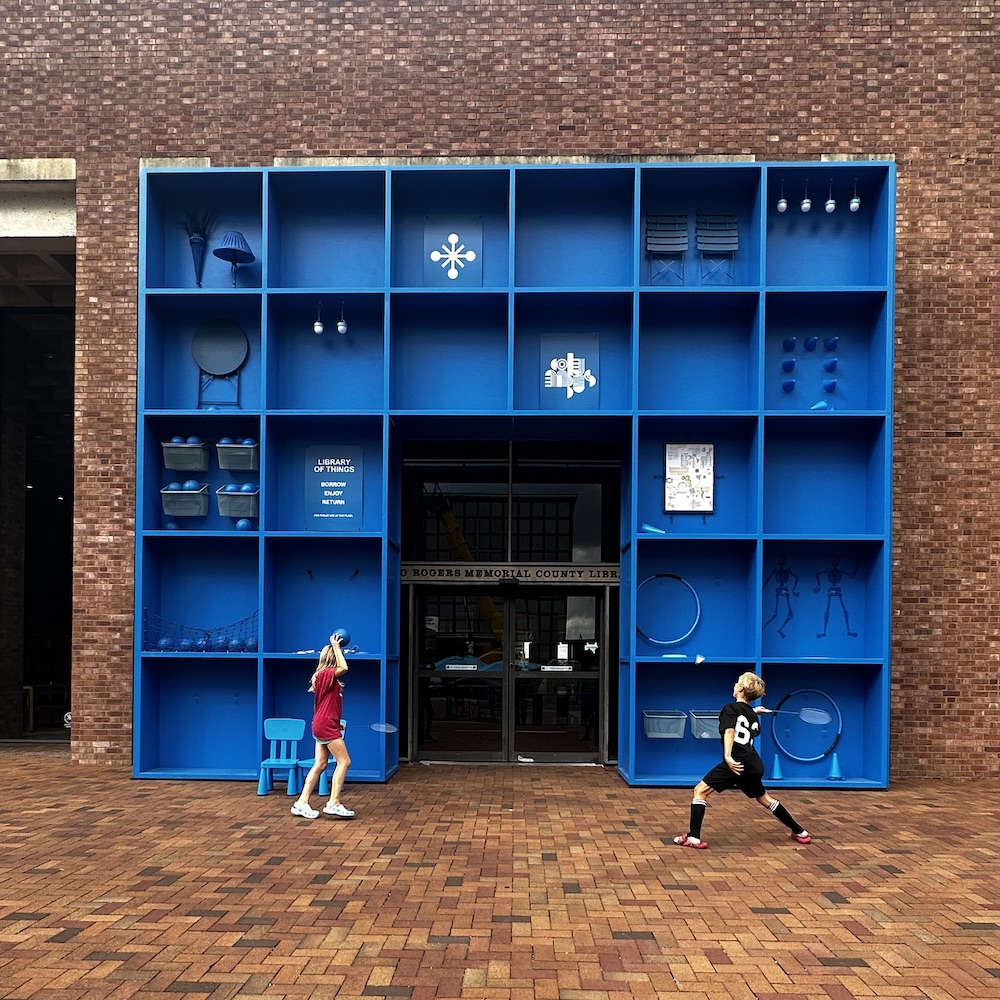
710	317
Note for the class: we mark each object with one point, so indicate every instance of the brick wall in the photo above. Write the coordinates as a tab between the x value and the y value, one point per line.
242	84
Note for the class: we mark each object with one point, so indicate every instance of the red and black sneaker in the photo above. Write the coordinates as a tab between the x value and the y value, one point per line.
686	841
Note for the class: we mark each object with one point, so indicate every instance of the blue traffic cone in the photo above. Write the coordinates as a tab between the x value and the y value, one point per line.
776	774
835	773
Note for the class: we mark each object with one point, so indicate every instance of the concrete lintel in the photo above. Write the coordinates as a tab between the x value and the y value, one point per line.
174	162
55	169
419	161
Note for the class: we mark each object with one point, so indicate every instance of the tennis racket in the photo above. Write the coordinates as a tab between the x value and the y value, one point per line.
815	729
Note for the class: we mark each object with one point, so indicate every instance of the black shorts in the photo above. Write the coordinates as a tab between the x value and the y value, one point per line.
750	782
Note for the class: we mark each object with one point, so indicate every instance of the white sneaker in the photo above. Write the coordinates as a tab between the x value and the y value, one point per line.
306	811
338	810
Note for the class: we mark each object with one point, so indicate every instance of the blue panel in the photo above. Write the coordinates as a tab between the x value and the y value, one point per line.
830	347
854	695
234	199
448	199
821	249
596	327
328	229
573	228
316	584
823	476
205	713
698	352
710	600
729	190
736	453
835	596
449	352
171	379
328	371
288	441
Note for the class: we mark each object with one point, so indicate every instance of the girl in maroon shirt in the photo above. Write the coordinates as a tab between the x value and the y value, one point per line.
328	733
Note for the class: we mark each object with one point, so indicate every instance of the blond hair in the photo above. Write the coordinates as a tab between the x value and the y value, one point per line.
753	686
327	661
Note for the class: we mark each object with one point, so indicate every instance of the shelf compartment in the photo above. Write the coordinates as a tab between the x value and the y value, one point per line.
328	371
736	478
842	248
595	328
836	594
234	197
312	585
825	475
199	582
326	228
429	206
698	351
698	588
197	718
170	377
684	194
295	495
859	693
690	689
573	227
826	351
210	427
449	352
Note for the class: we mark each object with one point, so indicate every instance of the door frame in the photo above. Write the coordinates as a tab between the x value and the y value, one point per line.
510	589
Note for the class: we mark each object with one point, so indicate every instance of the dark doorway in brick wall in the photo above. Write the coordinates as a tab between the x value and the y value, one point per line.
36	507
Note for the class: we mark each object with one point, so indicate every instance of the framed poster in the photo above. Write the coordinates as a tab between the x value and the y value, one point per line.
689	478
334	487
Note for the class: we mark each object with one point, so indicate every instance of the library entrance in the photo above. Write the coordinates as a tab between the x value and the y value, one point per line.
510	575
517	672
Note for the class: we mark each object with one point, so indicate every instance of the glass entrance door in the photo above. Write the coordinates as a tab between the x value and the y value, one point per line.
509	673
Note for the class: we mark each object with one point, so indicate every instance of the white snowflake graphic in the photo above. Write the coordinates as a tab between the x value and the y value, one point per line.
455	255
570	373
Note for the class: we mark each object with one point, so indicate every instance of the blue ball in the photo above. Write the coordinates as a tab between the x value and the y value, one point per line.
230	488
244	524
192	484
252	644
165	644
173	486
201	645
248	441
187	645
345	636
177	439
220	644
194	439
248	488
225	440
237	645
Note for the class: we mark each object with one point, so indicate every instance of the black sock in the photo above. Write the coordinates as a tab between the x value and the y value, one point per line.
698	807
781	813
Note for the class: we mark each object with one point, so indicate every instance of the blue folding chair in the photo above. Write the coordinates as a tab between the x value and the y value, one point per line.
284	735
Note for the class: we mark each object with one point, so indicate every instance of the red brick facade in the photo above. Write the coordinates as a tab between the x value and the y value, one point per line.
109	84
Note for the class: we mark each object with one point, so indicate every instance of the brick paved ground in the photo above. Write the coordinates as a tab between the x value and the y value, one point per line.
483	882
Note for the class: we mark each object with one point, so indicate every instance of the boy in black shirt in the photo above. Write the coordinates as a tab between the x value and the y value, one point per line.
741	766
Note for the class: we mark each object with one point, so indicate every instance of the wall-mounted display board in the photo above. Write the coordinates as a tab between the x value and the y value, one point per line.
296	324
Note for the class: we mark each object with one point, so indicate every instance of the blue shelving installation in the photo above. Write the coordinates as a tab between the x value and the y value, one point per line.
745	343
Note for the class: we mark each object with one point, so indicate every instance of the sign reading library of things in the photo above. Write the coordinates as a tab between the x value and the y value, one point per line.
334	487
689	478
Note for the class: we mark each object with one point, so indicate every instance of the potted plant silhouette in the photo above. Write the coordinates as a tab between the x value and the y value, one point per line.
198	226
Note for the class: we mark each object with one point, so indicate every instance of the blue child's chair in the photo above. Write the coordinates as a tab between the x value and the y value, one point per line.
284	735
